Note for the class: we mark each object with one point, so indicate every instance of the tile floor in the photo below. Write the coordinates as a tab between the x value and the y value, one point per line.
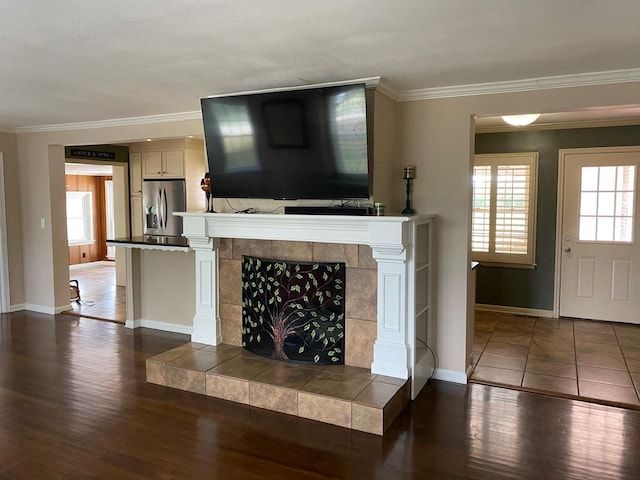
585	359
100	297
346	396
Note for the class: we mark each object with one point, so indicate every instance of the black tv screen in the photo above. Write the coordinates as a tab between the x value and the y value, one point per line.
297	144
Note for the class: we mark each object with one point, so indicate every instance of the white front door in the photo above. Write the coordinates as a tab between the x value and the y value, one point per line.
600	247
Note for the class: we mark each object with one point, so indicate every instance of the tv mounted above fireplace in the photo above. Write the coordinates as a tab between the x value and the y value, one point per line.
296	144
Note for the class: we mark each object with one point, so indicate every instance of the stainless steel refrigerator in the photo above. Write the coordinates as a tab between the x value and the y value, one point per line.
160	198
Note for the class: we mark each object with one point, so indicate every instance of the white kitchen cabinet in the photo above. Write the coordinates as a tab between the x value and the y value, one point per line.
170	159
135	174
152	164
137	217
135	193
173	163
163	164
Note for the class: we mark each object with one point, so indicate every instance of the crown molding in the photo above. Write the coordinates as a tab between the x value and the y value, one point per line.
387	89
117	122
622	122
540	83
370	82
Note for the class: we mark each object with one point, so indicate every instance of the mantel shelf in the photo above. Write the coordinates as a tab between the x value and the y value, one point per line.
364	230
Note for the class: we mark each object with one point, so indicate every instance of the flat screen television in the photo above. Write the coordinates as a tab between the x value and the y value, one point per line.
296	144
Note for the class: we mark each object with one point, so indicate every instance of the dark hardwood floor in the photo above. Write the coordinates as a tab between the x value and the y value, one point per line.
74	404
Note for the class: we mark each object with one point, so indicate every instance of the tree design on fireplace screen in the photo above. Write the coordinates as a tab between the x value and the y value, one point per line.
293	310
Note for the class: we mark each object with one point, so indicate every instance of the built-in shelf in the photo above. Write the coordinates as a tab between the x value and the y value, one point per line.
420	301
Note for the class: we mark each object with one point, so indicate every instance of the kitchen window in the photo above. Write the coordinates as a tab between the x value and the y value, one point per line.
80	218
504	209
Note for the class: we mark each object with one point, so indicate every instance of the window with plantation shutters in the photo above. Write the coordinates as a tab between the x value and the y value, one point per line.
504	208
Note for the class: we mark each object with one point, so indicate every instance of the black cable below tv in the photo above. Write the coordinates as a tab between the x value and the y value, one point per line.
306	210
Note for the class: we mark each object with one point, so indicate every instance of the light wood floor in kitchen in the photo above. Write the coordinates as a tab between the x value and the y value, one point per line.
100	297
583	359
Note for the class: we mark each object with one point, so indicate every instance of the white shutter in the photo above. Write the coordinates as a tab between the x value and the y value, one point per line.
504	208
512	209
481	211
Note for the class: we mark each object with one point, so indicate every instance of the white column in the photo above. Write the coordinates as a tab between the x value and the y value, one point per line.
206	321
391	349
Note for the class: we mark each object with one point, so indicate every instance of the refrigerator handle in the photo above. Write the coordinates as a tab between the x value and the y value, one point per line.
166	207
160	212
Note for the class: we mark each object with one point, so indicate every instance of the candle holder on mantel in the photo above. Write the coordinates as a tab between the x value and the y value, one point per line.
409	174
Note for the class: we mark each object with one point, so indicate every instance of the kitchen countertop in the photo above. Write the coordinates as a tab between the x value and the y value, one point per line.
151	242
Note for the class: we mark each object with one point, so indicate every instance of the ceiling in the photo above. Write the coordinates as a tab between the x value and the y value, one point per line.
82	61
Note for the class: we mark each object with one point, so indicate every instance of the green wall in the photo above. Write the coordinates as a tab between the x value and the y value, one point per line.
534	288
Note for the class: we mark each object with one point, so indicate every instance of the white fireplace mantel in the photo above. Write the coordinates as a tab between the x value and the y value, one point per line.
399	245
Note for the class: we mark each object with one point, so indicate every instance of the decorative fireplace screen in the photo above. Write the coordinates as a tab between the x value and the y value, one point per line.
293	310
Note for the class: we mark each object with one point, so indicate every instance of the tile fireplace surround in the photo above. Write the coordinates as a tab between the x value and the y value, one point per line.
397	256
360	290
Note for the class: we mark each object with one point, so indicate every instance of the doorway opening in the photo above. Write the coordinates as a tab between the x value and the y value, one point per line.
524	336
91	219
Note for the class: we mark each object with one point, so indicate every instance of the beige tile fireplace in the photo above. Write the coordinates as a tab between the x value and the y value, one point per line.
388	311
360	296
398	288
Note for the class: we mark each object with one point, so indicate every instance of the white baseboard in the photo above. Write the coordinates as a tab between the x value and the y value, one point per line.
48	310
40	309
450	376
63	309
531	312
18	307
156	325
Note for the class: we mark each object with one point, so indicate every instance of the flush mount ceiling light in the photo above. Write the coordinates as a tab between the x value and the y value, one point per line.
521	120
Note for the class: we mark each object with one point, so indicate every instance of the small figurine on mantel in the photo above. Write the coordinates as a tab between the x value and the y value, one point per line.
205	185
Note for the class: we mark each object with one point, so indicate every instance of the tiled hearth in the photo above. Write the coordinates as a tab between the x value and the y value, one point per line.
341	395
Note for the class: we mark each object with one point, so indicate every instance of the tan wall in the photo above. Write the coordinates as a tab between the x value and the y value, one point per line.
387	178
9	148
167	286
121	214
42	196
360	294
435	135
